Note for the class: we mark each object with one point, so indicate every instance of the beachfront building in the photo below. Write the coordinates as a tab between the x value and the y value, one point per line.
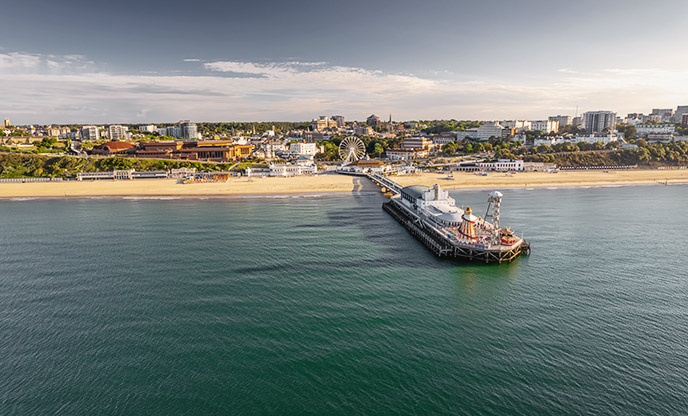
538	167
502	165
208	150
287	169
181	173
406	154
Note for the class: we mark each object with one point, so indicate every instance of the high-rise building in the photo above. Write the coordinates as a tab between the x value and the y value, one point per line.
684	120
563	120
339	120
117	132
188	130
680	111
665	114
90	133
596	121
489	129
7	122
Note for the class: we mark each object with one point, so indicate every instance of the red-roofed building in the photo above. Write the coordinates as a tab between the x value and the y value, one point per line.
113	147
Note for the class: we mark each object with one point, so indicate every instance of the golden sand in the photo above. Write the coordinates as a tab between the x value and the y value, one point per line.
334	183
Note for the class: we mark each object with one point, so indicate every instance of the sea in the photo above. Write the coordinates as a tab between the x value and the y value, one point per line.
324	305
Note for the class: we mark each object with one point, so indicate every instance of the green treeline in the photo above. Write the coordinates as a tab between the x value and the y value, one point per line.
442	126
13	165
261	126
647	154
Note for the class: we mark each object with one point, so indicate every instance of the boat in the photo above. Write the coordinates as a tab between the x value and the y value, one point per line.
432	216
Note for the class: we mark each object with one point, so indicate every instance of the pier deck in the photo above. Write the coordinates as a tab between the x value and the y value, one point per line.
439	243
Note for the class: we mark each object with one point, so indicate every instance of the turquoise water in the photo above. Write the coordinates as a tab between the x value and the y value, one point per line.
325	305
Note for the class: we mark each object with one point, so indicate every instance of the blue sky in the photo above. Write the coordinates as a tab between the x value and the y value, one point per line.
153	61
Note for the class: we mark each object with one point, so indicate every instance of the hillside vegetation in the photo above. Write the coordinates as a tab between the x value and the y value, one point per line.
13	165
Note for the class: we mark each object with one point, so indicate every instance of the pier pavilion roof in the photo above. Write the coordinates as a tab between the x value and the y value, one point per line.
415	191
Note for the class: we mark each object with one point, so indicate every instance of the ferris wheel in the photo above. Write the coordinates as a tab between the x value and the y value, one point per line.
351	149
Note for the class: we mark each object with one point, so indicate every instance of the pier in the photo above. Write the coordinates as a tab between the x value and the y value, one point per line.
385	183
445	233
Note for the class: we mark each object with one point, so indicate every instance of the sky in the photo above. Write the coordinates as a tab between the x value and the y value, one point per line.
147	61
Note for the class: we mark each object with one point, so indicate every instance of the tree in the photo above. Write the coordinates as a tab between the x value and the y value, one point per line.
378	149
449	148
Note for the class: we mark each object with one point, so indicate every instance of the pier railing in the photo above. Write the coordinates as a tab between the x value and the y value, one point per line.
385	182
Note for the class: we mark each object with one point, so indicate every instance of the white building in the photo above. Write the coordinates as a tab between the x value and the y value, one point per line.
645	129
548	141
188	130
443	139
284	169
594	138
597	121
503	165
417	142
519	125
150	128
117	132
545	126
90	133
303	148
470	133
170	131
563	120
489	129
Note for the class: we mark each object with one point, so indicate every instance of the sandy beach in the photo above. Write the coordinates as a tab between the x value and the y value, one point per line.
335	183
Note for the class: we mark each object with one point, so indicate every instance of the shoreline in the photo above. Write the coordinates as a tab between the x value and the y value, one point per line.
333	184
285	195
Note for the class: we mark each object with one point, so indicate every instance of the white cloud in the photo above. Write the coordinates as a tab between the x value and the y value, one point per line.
18	62
53	89
192	60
